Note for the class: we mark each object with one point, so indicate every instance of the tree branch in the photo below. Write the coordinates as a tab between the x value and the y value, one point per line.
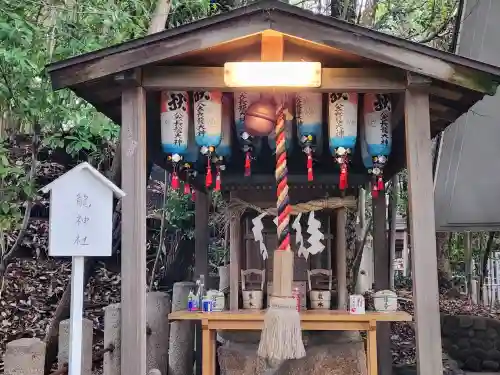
437	32
29	205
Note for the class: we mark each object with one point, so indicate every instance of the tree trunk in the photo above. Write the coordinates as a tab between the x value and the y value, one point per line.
468	259
367	15
442	251
343	9
484	263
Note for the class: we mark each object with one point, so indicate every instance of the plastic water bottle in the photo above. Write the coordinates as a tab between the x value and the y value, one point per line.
192	306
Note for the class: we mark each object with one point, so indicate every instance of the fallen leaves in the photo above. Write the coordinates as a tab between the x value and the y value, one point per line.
32	291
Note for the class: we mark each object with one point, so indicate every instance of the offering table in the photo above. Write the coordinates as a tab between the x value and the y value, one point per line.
326	320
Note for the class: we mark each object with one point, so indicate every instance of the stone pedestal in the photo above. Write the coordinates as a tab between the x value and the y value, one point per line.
24	357
64	341
157	310
112	336
181	346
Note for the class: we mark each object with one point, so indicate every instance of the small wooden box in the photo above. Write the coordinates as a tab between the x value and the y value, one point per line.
296	284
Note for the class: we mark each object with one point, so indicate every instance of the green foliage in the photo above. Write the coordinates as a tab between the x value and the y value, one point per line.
34	33
179	213
15	188
417	20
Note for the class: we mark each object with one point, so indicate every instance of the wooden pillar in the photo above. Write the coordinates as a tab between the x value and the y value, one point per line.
234	258
133	246
202	206
381	277
201	232
422	227
393	228
341	259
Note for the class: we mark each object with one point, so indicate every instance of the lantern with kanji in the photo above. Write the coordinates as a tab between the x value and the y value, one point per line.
309	115
208	126
224	148
174	128
343	129
377	136
250	145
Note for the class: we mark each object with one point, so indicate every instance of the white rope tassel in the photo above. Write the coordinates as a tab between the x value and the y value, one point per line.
282	326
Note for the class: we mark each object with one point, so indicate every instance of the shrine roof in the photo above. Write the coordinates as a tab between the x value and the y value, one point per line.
235	35
456	82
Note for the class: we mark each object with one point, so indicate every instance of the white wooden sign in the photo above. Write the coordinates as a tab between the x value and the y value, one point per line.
81	208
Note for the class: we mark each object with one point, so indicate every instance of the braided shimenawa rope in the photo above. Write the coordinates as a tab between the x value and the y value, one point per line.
283	201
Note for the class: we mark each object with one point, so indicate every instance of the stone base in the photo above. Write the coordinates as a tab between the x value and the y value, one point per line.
473	341
333	353
450	367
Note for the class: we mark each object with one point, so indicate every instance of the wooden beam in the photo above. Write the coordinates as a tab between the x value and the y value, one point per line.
422	228
267	197
272	46
234	258
381	279
133	253
161	46
380	80
341	257
321	181
399	56
127	78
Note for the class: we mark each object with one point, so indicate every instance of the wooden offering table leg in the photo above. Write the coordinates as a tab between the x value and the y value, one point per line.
371	349
208	350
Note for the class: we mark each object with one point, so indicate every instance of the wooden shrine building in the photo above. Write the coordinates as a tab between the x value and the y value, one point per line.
428	89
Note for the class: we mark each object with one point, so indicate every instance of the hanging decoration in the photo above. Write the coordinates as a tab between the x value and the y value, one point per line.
208	126
314	229
271	138
299	239
250	145
257	228
298	210
174	119
190	159
309	114
342	128
224	148
282	320
377	135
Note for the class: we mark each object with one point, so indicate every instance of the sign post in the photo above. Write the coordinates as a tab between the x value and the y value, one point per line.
81	225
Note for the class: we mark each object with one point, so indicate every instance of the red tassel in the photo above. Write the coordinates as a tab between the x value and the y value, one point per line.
247	164
310	175
380	183
374	190
193	195
217	180
175	181
187	189
208	178
343	176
